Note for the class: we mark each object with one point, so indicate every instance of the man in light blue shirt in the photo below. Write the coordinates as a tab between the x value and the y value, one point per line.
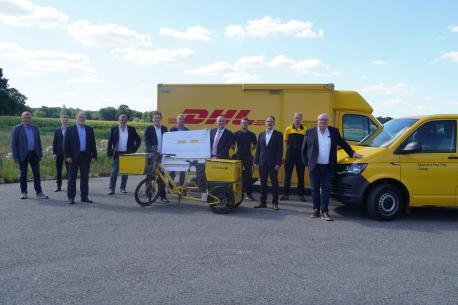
26	148
82	136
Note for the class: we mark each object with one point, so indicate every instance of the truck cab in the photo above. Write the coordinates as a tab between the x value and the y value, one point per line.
410	162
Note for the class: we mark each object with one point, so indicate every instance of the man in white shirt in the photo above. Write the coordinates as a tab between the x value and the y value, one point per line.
221	139
153	142
123	139
320	155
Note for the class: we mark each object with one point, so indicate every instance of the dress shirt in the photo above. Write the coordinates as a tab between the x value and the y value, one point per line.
82	136
159	138
123	137
269	135
30	138
63	129
324	146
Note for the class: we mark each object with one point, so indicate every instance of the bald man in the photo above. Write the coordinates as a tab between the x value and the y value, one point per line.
220	139
320	155
26	148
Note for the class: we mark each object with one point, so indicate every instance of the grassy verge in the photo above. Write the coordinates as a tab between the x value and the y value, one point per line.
9	171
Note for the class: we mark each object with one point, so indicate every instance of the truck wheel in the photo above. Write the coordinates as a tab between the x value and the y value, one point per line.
226	200
384	202
147	191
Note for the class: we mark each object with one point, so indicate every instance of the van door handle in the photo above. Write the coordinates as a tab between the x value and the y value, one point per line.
453	157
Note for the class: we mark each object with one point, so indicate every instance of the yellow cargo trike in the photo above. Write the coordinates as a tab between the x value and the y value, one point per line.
217	182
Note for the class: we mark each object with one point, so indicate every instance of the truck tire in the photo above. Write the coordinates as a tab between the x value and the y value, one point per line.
226	198
384	202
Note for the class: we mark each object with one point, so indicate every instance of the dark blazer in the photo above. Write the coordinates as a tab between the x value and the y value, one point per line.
224	144
133	141
19	143
271	154
58	142
72	143
310	147
151	138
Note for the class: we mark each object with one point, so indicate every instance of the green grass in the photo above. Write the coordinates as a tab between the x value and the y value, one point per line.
9	171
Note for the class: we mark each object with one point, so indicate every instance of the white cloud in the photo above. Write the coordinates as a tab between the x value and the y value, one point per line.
384	89
196	32
267	26
393	103
87	79
218	68
24	13
453	103
453	56
45	60
153	57
454	28
107	35
379	62
238	71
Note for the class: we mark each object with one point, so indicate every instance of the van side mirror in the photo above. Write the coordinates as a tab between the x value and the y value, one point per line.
412	147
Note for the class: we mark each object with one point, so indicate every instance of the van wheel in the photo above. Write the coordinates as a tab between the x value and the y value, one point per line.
384	202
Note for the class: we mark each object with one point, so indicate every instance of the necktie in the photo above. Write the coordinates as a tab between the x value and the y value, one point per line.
215	143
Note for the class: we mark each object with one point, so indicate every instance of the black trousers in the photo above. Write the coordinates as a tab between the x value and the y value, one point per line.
60	160
34	162
294	159
83	164
321	178
266	171
247	173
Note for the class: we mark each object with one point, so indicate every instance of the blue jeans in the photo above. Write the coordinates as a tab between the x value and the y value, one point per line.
321	178
32	158
114	174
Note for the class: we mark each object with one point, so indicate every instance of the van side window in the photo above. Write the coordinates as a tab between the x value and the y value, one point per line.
436	137
356	127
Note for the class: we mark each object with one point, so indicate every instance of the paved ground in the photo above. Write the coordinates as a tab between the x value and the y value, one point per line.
116	252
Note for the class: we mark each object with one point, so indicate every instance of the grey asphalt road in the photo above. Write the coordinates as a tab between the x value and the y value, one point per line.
116	252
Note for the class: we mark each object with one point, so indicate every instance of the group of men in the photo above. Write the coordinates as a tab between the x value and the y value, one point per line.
75	146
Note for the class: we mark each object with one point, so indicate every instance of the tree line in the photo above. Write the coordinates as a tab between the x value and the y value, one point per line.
12	102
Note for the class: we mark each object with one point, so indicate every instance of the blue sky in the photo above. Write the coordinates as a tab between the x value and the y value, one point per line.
402	56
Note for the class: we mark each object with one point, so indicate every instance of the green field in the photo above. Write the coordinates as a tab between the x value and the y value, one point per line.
9	171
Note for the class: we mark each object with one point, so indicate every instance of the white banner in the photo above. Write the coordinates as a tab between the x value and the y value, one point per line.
186	145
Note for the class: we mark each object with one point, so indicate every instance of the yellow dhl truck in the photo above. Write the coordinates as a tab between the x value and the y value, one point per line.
409	162
201	104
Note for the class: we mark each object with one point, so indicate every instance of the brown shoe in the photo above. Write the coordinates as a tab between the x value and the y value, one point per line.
315	214
275	207
261	206
325	216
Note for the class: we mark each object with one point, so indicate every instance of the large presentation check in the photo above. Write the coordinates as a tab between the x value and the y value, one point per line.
186	145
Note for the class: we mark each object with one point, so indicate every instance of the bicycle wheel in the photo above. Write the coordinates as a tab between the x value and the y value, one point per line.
147	191
226	200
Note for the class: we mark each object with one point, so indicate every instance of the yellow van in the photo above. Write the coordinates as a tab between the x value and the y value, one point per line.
410	162
201	104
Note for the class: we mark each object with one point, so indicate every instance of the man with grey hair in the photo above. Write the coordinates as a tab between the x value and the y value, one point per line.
221	139
26	148
320	155
80	151
58	151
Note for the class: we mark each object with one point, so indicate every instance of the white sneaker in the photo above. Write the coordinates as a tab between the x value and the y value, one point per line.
23	196
42	196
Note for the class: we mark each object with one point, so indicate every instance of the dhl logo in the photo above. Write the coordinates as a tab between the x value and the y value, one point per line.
202	116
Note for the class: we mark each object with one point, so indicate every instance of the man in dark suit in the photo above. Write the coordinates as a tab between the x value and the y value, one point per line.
269	153
123	139
80	151
153	142
320	155
220	139
26	148
58	151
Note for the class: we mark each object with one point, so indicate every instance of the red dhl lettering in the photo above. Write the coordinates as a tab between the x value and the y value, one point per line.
201	116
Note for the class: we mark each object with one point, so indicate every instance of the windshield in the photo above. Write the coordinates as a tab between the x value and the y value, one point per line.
390	132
